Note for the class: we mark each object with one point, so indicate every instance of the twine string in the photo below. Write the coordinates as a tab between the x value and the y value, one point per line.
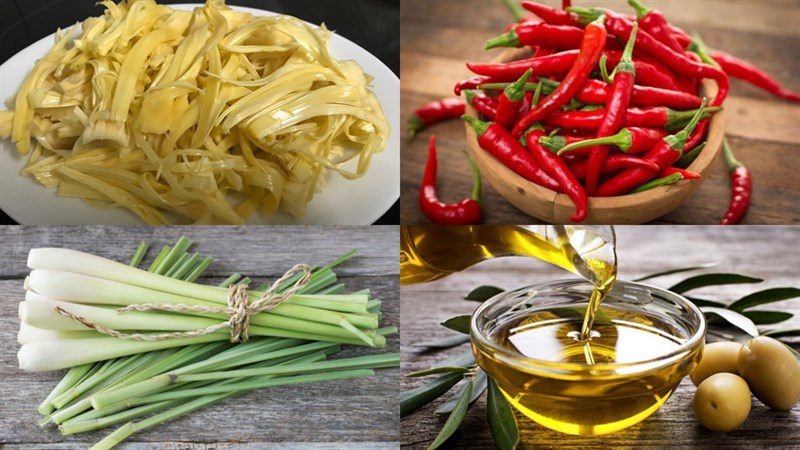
239	310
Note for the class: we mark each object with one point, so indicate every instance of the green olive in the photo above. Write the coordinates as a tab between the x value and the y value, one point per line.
717	357
772	372
722	402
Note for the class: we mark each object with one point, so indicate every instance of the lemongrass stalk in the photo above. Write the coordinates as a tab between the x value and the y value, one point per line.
70	379
124	411
29	333
230	280
289	281
334	289
374	306
198	270
245	280
131	427
139	254
182	260
174	255
107	371
160	257
78	288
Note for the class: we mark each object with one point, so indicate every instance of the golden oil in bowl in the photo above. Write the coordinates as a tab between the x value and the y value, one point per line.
643	342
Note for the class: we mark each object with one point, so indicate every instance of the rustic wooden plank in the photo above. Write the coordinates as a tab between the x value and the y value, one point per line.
758	251
360	413
438	37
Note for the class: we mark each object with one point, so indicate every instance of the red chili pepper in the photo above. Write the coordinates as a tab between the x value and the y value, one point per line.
430	113
697	136
471	83
551	15
612	164
664	154
511	101
555	64
677	61
743	70
594	41
596	92
741	187
566	4
654	22
502	146
527	103
687	175
647	73
465	212
542	34
558	169
486	106
616	107
654	117
632	140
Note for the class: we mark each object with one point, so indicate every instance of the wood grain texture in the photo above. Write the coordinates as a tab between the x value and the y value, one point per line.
757	251
358	413
438	37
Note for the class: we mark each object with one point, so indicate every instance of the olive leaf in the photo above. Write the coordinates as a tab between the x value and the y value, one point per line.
458	323
445	342
455	418
664	273
767	317
477	389
501	419
440	369
765	296
413	399
734	318
785	332
483	293
704	302
712	279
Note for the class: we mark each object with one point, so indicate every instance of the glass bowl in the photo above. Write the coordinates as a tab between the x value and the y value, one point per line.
656	338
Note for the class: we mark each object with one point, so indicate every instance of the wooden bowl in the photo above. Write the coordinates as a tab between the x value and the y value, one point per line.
552	207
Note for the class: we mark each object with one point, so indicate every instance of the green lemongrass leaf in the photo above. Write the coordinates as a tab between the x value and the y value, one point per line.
445	342
501	418
712	279
455	418
664	273
767	317
704	302
763	297
734	318
458	323
483	293
479	385
436	370
413	399
784	332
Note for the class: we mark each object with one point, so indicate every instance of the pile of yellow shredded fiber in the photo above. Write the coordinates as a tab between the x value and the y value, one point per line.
193	117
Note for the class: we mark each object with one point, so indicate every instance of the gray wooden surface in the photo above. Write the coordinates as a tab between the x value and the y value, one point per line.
766	252
358	413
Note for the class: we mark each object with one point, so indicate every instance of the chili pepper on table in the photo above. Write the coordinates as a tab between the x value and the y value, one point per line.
658	182
654	22
741	187
743	70
594	39
558	169
664	154
631	140
486	106
511	101
612	164
465	212
687	175
619	26
499	143
437	111
654	117
541	34
619	99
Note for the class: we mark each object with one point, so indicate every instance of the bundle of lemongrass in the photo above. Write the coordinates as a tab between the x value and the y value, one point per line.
114	380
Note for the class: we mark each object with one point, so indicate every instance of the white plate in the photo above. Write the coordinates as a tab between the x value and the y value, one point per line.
356	202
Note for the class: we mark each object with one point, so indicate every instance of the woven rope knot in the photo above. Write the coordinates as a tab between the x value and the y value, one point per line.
239	309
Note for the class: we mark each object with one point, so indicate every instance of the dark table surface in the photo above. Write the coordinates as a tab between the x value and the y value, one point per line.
758	251
354	414
372	24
